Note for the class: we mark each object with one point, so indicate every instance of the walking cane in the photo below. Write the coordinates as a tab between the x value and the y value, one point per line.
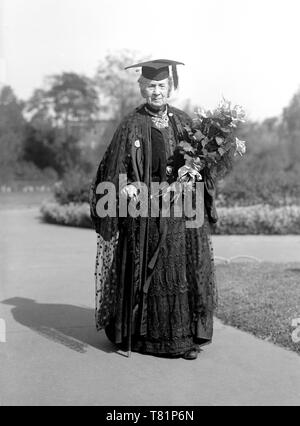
130	302
129	327
131	289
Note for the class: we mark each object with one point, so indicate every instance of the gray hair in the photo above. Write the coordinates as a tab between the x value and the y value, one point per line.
144	82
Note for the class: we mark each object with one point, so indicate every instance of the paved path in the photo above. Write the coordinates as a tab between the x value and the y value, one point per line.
53	354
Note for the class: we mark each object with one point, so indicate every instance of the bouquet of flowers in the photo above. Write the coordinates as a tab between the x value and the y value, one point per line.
208	148
211	143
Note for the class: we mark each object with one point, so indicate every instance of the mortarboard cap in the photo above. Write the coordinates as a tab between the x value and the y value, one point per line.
158	69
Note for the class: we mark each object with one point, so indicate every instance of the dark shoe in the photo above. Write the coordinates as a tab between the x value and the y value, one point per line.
191	354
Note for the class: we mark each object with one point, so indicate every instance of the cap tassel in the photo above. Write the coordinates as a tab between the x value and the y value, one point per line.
175	76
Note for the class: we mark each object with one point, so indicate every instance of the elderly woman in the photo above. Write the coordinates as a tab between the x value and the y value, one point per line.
155	282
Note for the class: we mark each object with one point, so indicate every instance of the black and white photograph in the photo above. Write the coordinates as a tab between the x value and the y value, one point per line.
149	206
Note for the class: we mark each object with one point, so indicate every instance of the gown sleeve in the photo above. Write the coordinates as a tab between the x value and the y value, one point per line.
115	161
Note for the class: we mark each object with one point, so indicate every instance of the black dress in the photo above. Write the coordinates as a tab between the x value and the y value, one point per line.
169	329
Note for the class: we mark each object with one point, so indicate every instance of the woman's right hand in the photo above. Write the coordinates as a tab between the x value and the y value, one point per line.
129	191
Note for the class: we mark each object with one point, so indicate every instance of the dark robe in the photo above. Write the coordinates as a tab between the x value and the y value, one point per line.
153	267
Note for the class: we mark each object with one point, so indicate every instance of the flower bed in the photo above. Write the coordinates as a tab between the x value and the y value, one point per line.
259	219
71	214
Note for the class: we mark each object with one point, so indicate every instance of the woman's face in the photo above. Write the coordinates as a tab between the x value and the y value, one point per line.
156	93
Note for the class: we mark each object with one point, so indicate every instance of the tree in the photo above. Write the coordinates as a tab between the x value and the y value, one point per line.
119	87
12	125
291	124
291	114
59	114
11	115
39	110
71	101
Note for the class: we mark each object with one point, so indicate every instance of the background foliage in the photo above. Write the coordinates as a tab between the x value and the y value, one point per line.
61	132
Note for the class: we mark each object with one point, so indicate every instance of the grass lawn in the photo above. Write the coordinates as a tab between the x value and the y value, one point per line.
261	298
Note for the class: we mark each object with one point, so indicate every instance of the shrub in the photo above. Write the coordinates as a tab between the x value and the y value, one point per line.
273	189
71	214
265	177
74	188
23	171
258	219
